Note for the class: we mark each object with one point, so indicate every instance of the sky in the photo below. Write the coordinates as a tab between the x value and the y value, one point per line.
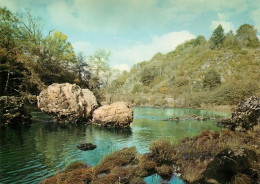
135	30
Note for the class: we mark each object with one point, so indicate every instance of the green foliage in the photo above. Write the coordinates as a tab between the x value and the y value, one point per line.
212	79
137	88
217	38
193	75
147	76
30	60
247	36
181	81
230	40
235	91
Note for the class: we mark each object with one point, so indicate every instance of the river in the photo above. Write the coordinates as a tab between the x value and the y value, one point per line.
29	154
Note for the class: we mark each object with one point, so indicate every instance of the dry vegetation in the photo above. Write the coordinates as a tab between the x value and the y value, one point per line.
193	158
194	155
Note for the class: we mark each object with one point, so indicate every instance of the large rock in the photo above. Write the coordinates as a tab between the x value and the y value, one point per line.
115	115
229	163
13	112
246	115
67	102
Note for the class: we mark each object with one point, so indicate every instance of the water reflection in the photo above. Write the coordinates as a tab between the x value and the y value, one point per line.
28	154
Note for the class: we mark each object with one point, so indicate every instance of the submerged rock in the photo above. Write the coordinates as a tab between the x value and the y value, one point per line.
13	112
67	102
246	115
86	146
115	115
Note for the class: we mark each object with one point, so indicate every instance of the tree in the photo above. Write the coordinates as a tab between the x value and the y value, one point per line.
28	59
147	76
199	40
99	67
56	59
16	76
217	38
247	36
230	40
82	71
212	79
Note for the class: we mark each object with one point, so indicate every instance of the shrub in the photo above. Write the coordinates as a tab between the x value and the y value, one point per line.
162	152
118	158
181	81
212	79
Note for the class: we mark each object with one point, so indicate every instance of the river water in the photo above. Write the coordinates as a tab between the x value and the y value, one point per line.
28	154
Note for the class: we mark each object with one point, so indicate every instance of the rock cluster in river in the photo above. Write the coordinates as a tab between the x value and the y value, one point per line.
246	115
13	112
116	115
67	102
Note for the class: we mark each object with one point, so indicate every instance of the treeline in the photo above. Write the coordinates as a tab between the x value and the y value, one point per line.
30	59
223	70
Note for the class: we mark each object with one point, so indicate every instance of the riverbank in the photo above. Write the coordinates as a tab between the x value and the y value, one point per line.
200	159
217	108
225	156
45	147
213	107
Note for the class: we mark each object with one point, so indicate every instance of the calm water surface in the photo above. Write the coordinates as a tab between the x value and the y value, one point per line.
29	154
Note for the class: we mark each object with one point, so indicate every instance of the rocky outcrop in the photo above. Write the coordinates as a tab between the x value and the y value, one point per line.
13	112
114	115
67	102
246	115
230	163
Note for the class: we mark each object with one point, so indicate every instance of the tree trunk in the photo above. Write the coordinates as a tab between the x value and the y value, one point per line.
7	82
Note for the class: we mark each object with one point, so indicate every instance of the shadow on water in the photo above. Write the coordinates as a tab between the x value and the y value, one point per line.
44	148
28	154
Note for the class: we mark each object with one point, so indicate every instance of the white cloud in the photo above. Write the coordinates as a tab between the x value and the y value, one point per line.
122	67
142	52
225	24
104	16
114	16
125	56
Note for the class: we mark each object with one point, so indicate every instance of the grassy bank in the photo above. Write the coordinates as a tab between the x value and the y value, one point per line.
219	108
194	158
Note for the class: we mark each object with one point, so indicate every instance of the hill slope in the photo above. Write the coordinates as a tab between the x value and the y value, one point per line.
192	75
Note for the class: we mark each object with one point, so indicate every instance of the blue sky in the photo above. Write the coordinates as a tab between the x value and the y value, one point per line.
135	30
